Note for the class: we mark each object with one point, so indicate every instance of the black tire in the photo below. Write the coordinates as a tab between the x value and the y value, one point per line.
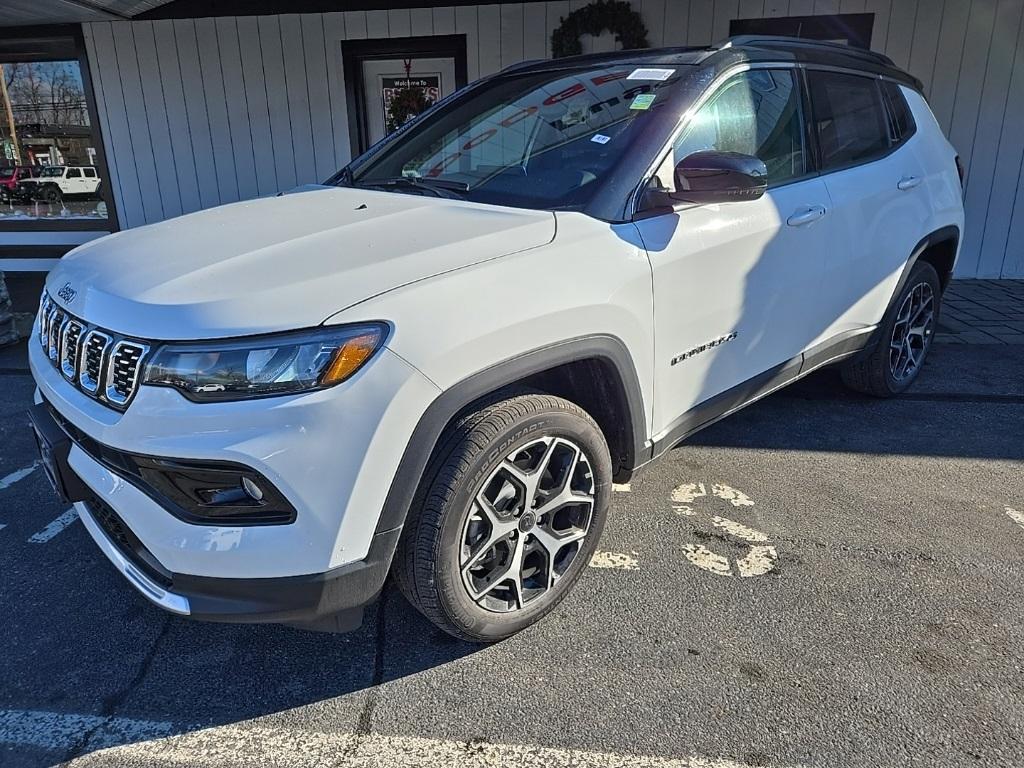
877	373
52	194
428	565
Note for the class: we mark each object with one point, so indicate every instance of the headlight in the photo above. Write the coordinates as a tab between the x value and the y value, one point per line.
265	365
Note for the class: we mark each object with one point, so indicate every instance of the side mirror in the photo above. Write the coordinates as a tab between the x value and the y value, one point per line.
719	177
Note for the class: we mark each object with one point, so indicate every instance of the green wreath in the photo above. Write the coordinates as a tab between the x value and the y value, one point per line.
406	104
612	15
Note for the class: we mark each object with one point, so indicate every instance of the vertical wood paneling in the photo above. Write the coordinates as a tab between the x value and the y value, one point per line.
422	20
444	20
949	54
299	116
702	14
489	38
257	106
318	87
511	42
277	101
109	108
996	258
991	111
925	41
677	19
466	24
138	125
156	119
177	116
980	27
399	22
200	112
653	14
216	110
237	108
535	44
334	32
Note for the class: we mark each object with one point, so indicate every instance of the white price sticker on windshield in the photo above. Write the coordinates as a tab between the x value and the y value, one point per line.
651	74
600	138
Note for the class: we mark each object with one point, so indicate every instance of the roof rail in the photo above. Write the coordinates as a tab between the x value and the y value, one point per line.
781	41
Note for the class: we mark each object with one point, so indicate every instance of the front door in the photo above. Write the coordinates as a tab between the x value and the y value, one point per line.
737	285
390	81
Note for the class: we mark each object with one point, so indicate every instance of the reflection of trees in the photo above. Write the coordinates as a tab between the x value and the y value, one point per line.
46	93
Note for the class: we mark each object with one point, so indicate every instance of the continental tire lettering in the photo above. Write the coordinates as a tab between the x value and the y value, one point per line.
503	448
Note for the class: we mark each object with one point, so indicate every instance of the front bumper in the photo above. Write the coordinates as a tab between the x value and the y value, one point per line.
332	454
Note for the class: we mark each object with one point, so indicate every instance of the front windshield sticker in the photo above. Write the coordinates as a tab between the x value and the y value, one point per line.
600	138
651	74
642	101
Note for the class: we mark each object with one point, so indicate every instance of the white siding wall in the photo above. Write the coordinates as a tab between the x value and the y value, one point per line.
208	111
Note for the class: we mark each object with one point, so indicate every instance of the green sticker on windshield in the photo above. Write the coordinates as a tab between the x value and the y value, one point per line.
642	101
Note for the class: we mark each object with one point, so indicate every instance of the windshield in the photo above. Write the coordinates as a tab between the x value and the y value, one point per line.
6	173
535	140
54	170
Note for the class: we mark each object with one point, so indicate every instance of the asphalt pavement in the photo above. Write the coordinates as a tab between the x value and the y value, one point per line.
822	579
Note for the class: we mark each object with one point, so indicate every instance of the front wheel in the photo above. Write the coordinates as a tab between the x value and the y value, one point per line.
907	331
507	518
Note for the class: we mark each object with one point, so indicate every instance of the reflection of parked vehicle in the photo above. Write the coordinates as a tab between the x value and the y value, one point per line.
56	182
11	177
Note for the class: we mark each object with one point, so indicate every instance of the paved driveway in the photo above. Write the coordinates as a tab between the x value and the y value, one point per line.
822	579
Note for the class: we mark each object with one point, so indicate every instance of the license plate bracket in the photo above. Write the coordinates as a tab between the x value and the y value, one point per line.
54	448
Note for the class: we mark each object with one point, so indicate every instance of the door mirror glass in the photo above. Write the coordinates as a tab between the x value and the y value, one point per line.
719	177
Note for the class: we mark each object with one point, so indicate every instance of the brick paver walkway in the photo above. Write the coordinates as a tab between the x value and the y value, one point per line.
982	312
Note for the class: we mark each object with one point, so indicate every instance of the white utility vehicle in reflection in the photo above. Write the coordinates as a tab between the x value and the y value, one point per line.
56	182
436	363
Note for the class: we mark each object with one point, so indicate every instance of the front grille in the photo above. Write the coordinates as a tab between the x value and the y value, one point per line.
100	363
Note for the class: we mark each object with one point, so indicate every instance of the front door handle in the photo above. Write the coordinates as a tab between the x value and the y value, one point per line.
908	182
806	216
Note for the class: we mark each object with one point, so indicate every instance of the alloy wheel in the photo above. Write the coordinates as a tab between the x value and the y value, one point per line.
526	524
912	333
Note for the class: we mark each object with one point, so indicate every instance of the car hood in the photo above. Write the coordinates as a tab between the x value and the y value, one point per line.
281	263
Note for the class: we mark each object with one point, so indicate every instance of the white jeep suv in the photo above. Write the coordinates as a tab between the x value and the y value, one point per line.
55	182
437	363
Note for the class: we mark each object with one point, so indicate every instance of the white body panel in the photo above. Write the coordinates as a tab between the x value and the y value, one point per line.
734	268
464	287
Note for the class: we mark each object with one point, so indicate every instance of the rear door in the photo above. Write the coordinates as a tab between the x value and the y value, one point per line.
875	183
736	285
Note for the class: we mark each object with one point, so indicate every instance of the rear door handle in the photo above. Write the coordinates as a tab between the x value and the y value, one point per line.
806	216
908	182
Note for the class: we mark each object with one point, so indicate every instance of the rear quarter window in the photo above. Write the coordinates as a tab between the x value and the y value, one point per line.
903	126
849	118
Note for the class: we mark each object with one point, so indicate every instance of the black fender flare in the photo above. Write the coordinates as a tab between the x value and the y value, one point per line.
452	401
941	235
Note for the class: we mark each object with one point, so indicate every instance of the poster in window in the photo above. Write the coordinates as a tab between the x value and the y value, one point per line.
404	97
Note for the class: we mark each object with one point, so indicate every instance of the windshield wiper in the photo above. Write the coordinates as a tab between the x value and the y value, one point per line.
455	190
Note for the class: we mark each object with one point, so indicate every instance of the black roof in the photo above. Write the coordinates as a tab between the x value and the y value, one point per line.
745	48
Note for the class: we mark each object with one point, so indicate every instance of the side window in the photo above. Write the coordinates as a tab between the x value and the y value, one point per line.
90	173
902	120
74	173
758	113
849	118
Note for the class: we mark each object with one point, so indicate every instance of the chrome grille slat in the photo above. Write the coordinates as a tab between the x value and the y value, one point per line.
103	365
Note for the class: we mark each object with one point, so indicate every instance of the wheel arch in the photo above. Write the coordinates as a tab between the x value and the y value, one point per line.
596	372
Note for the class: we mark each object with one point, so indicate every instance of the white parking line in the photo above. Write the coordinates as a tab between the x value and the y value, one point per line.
621	487
1016	515
618	560
21	474
242	744
54	528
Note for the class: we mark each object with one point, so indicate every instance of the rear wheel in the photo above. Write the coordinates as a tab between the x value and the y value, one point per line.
510	513
907	332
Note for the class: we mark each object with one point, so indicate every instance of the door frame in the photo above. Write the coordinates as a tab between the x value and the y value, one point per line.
355	52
